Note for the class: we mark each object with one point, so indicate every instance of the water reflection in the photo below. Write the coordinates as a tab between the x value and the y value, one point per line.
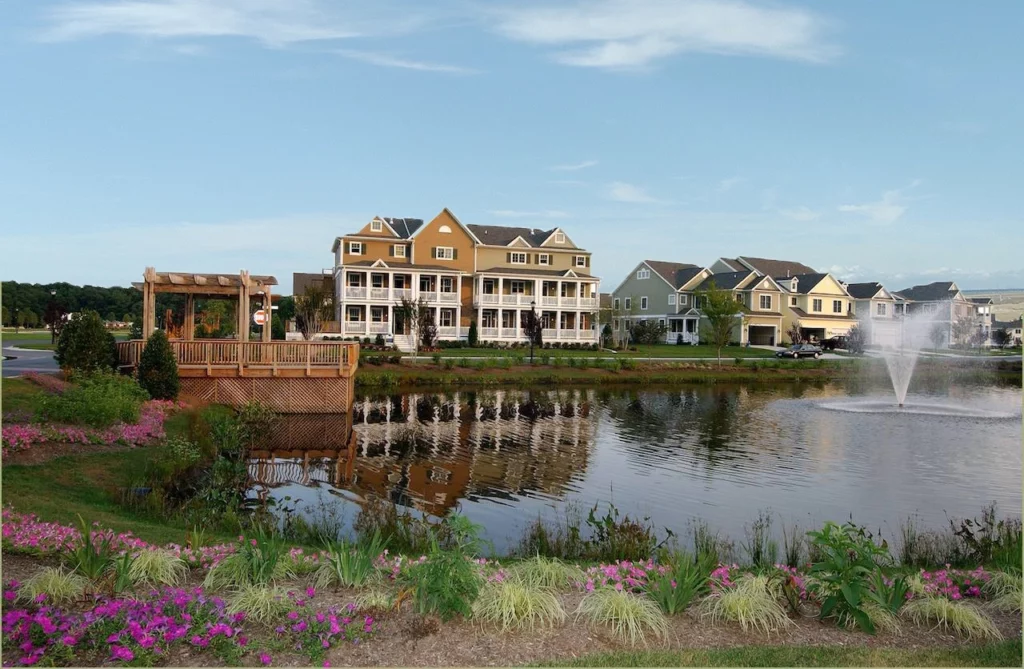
721	453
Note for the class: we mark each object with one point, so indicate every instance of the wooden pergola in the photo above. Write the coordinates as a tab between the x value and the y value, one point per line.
243	285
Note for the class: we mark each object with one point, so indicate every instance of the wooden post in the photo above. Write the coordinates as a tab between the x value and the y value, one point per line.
309	350
189	329
267	311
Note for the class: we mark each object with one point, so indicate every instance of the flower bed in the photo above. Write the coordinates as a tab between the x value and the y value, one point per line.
954	583
20	437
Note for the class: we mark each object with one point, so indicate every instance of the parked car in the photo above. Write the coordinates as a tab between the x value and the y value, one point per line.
832	343
800	351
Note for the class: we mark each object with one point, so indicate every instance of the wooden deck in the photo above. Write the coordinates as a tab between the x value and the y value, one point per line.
220	358
289	377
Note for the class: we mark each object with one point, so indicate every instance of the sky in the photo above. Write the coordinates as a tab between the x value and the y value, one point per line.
878	141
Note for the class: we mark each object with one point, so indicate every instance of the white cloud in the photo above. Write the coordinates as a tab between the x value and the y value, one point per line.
800	213
623	192
273	22
573	166
885	211
513	213
726	185
385	60
619	34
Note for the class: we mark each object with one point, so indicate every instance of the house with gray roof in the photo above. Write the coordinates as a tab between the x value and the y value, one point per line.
877	313
941	302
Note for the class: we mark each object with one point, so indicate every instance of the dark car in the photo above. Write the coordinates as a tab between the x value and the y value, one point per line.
800	351
832	343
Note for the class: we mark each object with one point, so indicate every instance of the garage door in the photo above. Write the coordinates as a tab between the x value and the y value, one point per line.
885	335
761	335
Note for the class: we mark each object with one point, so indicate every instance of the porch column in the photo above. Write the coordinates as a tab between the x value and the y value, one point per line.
558	323
558	295
415	287
268	312
501	289
148	310
243	312
437	317
519	325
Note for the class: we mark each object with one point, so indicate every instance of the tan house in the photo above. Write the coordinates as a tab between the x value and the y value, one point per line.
483	273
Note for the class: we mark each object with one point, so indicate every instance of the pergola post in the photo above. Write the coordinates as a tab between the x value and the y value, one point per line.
189	327
268	313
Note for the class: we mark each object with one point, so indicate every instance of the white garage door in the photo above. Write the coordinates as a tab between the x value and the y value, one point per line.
885	335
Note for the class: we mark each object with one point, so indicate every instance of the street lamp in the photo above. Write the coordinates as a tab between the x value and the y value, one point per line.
533	325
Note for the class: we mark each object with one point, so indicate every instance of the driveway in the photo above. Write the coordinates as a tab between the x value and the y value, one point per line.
18	361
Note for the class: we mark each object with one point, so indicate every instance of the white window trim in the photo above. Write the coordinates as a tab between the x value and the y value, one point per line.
450	314
834	303
376	226
817	304
683	300
615	303
352	248
629	303
643	303
512	285
581	261
543	258
559	237
451	284
760	301
350	311
399	250
512	258
792	301
672	299
642	274
880	309
444	253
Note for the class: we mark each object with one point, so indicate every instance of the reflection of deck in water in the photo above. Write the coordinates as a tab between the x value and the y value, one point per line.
431	450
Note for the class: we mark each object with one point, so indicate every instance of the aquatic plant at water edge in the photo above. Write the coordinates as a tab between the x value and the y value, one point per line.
961	618
55	586
759	546
544	572
514	604
750	602
685	580
629	617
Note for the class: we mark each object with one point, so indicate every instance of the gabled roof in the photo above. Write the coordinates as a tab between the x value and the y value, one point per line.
499	235
677	274
937	291
1009	325
303	280
982	300
772	268
403	227
864	291
805	283
726	280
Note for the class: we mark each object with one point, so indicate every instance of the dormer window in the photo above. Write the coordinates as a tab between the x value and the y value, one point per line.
642	274
559	237
376	225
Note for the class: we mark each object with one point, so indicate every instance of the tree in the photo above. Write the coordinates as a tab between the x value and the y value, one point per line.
625	315
648	332
721	311
963	328
28	318
795	337
1001	337
427	326
158	368
312	308
474	334
855	341
135	329
606	335
937	334
86	345
5	316
533	328
277	332
416	317
53	318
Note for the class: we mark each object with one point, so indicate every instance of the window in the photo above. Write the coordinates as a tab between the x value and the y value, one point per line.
880	309
400	280
559	237
643	274
816	305
426	285
399	251
445	229
792	301
447	318
629	304
490	319
837	306
581	261
661	322
354	314
517	258
544	259
739	297
377	280
355	248
376	226
517	287
379	314
444	253
615	324
354	280
672	299
447	286
643	303
766	302
615	303
682	300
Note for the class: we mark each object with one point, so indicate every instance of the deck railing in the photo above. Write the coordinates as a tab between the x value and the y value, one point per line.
221	354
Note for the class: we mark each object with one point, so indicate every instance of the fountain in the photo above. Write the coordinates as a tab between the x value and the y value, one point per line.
900	360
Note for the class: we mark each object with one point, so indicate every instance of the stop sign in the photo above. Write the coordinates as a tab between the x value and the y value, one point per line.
259	317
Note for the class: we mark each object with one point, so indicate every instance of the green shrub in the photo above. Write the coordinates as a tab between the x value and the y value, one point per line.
158	368
517	605
474	335
685	581
750	602
628	616
97	400
447	584
85	345
59	586
256	563
348	565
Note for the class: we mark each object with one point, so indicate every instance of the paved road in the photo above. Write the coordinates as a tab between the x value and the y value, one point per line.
25	360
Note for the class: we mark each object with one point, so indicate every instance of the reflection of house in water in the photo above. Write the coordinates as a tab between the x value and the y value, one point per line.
305	448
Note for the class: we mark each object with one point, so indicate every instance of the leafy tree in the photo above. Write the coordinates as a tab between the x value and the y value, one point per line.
1001	337
158	368
722	312
277	332
417	320
937	334
625	315
474	335
533	328
135	330
647	332
5	316
963	328
606	335
28	318
855	341
427	327
85	344
795	337
312	308
54	317
286	308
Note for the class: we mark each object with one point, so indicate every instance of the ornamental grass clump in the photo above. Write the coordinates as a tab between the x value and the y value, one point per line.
54	586
517	605
963	619
261	603
750	602
543	572
157	567
375	599
629	617
1005	590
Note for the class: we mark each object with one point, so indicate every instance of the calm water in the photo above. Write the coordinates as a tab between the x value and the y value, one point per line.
719	453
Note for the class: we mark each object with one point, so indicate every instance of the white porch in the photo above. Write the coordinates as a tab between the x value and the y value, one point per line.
495	290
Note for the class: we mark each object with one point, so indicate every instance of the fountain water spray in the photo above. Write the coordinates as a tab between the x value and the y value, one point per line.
915	332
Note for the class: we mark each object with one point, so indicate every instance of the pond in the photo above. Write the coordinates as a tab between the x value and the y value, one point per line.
719	453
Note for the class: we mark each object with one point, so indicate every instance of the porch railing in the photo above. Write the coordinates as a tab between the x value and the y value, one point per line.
355	292
208	354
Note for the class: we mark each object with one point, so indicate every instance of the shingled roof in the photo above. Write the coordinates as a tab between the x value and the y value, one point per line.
804	282
676	273
499	235
863	291
726	280
936	291
403	227
773	268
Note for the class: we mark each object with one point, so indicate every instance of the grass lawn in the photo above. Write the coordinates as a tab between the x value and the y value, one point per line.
38	347
654	351
1001	654
10	337
20	396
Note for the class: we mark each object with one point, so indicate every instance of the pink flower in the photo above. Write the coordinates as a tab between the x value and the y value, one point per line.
265	659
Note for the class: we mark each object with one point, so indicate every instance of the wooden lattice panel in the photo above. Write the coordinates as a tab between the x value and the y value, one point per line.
302	395
199	390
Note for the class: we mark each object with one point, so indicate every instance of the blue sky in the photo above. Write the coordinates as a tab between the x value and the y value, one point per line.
881	141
